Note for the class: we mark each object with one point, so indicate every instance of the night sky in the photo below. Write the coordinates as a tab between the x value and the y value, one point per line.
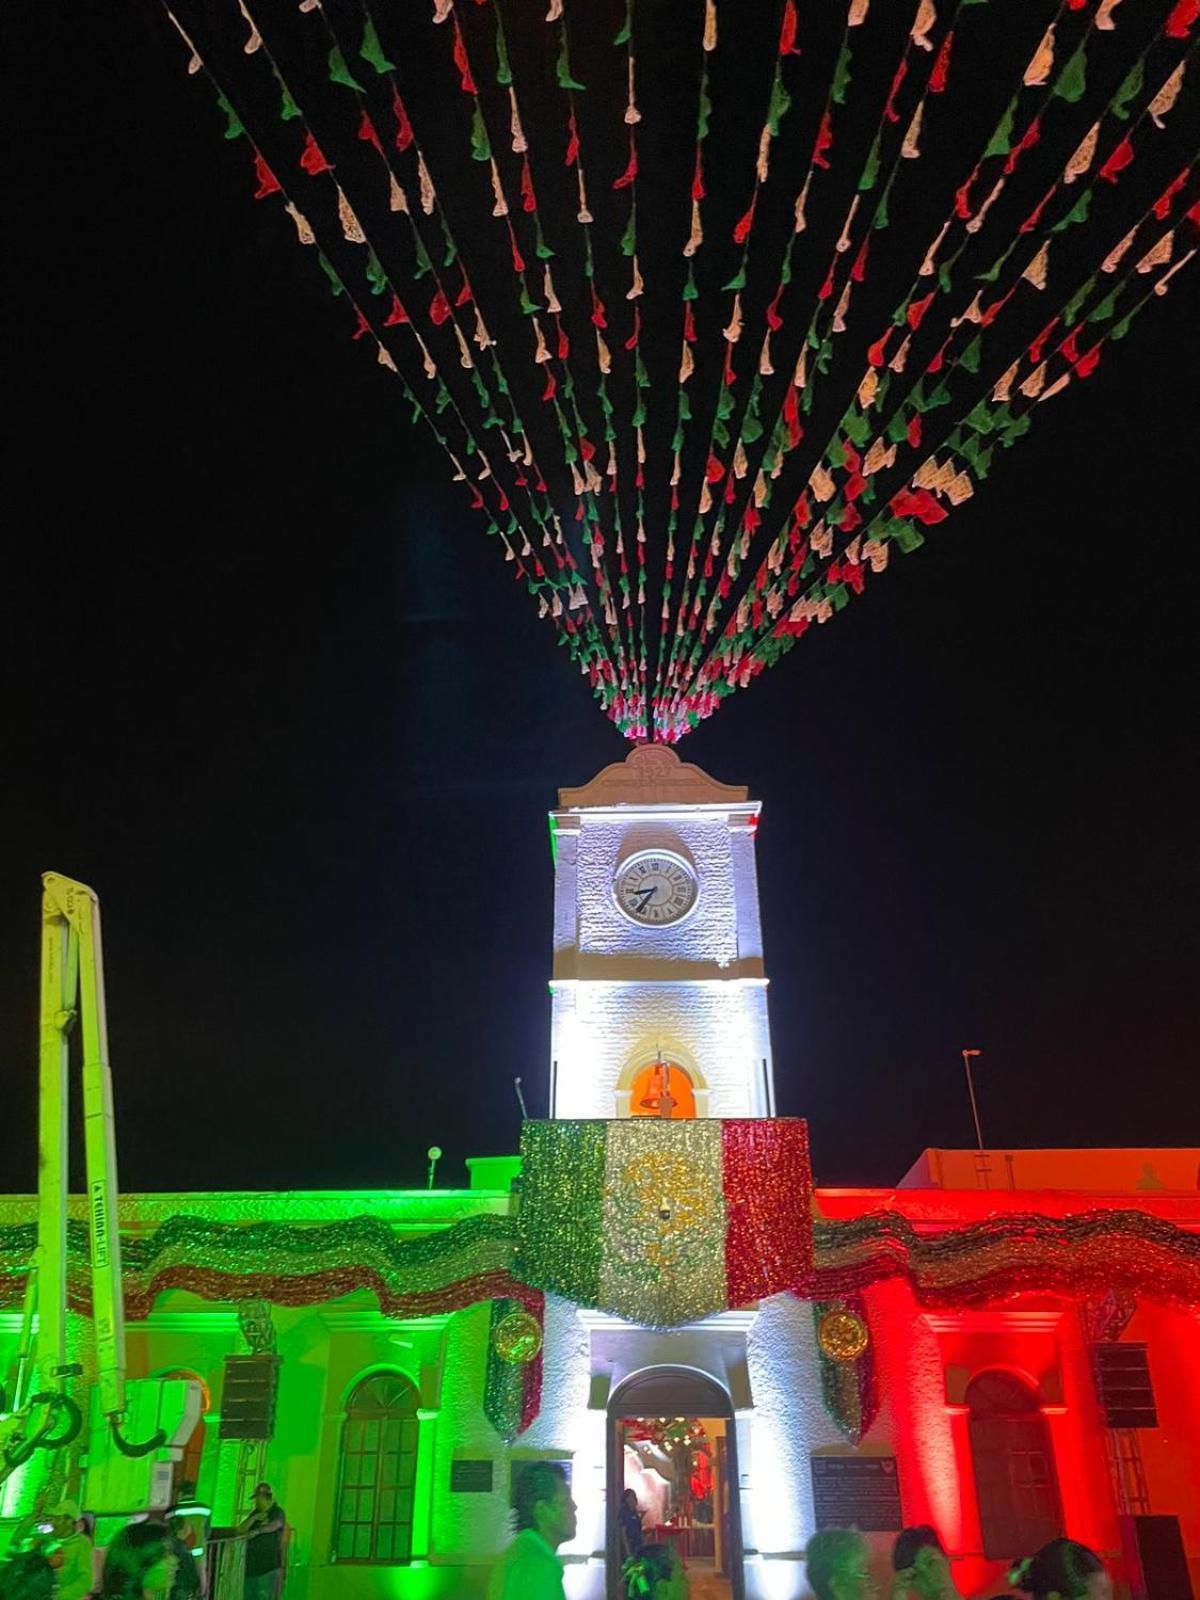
269	691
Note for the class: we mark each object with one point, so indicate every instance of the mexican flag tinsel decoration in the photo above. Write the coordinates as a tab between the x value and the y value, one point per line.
846	1353
664	1222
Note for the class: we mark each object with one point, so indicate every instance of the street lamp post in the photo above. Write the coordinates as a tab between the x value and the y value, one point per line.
968	1056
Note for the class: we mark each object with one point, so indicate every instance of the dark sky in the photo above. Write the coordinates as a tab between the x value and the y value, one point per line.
268	689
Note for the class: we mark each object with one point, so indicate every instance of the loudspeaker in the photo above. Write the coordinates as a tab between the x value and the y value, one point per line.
1155	1558
248	1398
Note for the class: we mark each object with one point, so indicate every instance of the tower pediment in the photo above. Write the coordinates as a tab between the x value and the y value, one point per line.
652	775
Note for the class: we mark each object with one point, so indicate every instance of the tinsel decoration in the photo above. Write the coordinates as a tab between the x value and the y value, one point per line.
512	1389
665	1222
848	1385
517	1338
1082	1255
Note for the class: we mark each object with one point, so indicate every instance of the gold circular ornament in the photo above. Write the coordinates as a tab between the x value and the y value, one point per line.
517	1338
842	1335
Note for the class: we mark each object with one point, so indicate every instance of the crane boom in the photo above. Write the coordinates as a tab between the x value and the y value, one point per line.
72	951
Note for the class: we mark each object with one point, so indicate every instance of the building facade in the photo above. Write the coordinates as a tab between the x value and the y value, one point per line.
1006	1344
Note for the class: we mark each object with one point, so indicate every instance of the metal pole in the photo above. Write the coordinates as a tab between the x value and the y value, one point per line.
967	1056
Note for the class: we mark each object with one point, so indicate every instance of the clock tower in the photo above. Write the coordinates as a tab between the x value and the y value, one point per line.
659	996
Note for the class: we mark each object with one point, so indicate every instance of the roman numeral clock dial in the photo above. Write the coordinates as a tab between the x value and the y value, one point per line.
655	888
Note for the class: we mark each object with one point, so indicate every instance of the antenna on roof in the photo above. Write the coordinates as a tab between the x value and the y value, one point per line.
520	1100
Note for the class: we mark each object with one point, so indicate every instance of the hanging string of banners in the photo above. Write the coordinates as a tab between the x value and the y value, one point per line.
638	274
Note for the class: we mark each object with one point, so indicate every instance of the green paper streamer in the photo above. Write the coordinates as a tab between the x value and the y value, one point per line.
781	104
882	220
725	402
376	276
626	32
481	150
704	115
1078	213
993	272
970	359
629	237
1015	429
562	70
1075	304
371	51
1072	80
339	72
841	77
721	434
441	399
907	536
738	281
897	428
1120	329
233	123
1132	85
856	426
541	249
641	376
288	109
504	75
870	173
1001	141
1107	307
327	267
836	457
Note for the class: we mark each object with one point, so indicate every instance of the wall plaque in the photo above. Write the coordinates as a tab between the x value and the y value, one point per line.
857	1491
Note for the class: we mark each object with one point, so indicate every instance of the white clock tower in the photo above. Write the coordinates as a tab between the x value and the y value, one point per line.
659	996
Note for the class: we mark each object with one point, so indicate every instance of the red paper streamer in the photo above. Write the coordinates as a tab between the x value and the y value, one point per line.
742	230
439	309
1121	158
397	314
1026	142
918	503
631	169
940	75
268	183
1182	19
404	133
1035	216
788	29
467	83
889	109
367	133
1166	199
824	140
311	158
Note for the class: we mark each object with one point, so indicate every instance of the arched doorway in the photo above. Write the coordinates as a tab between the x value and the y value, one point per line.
671	1439
1014	1466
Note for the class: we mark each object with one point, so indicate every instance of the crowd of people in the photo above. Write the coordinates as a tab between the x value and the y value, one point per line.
150	1558
837	1561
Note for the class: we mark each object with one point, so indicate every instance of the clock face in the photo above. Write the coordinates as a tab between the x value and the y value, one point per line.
654	888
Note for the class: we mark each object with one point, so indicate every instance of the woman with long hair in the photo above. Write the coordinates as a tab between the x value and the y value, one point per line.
1062	1570
139	1564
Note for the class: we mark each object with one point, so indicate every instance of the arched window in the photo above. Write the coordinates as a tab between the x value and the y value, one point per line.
662	1090
374	1516
1014	1466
